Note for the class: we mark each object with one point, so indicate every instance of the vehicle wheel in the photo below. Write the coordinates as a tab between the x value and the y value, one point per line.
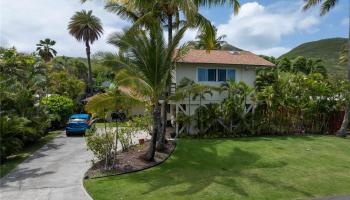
67	134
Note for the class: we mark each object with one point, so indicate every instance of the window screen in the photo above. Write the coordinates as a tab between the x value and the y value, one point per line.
231	74
211	74
221	74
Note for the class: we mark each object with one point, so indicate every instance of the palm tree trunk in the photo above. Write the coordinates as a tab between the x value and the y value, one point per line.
167	93
156	128
89	65
343	129
199	113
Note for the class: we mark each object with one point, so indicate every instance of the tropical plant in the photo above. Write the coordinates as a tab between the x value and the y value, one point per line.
22	120
344	55
141	13
59	106
102	146
147	64
284	65
65	84
87	28
11	132
45	50
204	41
234	106
188	89
326	6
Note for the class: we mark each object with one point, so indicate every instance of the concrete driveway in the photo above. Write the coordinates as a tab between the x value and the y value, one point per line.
55	172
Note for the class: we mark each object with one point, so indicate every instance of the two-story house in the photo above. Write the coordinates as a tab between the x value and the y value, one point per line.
213	68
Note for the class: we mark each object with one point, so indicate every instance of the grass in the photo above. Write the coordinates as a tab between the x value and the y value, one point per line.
18	158
102	125
247	168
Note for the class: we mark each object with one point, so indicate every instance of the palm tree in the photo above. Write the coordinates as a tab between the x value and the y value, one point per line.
344	55
147	63
86	27
45	50
169	11
205	41
326	6
201	91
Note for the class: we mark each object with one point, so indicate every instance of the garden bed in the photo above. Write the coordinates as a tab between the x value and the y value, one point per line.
131	160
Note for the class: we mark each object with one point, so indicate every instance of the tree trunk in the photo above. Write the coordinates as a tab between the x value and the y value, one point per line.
343	129
168	90
156	128
89	85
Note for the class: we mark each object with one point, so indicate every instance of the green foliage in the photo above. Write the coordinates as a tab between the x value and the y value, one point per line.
65	84
103	141
101	145
59	106
328	50
45	50
281	103
326	5
23	120
85	27
206	40
73	66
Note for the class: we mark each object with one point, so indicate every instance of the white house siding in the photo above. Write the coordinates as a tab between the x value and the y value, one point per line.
243	73
246	74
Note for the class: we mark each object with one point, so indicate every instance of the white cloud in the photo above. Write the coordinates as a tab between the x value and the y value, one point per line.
260	29
345	22
26	22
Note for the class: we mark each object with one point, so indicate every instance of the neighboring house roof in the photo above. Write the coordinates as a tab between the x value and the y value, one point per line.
224	57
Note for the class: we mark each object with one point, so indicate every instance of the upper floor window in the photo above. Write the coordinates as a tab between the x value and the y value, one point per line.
206	74
231	74
215	75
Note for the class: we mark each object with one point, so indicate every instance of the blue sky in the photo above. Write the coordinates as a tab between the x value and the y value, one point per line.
270	27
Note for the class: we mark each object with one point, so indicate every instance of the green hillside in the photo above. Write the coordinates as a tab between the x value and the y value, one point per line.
327	49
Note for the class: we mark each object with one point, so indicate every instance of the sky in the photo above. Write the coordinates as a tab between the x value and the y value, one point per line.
269	27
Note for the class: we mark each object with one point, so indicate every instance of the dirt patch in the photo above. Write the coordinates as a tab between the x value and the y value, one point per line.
130	160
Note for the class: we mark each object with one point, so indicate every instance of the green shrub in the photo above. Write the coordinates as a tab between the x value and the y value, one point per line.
102	145
59	106
12	130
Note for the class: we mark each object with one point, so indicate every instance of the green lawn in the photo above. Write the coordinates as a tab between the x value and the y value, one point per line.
16	159
248	168
102	125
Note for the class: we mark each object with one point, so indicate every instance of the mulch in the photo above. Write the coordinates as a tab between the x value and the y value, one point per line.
131	160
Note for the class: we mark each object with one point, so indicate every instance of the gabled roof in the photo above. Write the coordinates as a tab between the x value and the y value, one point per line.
224	57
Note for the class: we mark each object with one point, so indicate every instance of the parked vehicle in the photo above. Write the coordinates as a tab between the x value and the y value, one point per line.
78	124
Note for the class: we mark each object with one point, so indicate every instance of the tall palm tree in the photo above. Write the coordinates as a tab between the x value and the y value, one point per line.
88	28
147	63
326	6
45	50
169	11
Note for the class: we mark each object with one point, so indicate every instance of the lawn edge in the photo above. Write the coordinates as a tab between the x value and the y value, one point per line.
138	170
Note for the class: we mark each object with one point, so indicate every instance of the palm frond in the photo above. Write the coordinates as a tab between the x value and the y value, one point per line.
85	26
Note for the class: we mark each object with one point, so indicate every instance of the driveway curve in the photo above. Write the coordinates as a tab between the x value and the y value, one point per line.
54	172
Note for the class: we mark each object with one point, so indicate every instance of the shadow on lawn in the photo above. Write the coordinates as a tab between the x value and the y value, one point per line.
198	167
